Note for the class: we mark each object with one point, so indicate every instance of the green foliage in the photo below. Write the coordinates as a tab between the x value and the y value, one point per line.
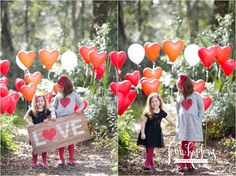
7	131
125	131
213	130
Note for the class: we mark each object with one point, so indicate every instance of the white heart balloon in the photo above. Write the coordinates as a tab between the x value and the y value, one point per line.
136	53
191	54
19	63
69	60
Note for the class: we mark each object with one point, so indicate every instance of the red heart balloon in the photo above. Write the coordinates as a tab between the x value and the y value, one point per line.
228	67
19	83
152	73
55	88
152	50
5	104
28	91
207	102
118	58
4	80
33	78
99	71
131	96
97	58
26	58
12	106
173	49
4	66
84	52
14	95
199	85
120	87
85	106
150	85
133	77
3	90
222	53
123	104
207	55
48	96
48	58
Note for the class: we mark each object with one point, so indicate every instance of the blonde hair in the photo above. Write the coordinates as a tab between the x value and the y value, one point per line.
148	109
34	107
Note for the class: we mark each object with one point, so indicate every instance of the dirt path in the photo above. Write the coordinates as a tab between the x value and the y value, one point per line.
88	161
219	161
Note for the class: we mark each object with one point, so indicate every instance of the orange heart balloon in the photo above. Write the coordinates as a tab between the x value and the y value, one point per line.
199	85
55	88
152	50
97	58
152	73
84	52
173	49
26	58
48	58
28	91
33	78
150	85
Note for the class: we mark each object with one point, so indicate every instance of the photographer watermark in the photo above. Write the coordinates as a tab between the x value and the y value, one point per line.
197	156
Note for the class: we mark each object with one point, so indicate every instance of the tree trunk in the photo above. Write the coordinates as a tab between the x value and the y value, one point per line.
220	8
121	26
26	22
139	15
100	13
6	37
192	15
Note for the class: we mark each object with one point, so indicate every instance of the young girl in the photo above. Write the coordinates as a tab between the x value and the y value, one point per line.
151	133
190	111
64	104
39	112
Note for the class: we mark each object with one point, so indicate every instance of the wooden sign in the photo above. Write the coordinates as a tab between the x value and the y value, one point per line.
64	131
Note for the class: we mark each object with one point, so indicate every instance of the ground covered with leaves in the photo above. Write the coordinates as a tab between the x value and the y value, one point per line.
89	161
220	162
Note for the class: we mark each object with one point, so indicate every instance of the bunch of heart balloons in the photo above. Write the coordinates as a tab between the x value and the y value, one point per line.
125	94
90	55
193	54
8	98
199	86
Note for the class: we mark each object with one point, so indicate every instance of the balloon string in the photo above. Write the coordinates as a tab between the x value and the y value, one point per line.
207	75
154	64
49	75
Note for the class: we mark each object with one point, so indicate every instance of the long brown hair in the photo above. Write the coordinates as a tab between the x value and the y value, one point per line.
34	107
68	88
148	109
187	88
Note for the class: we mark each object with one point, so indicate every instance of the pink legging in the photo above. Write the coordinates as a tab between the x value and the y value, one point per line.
149	157
187	148
35	159
71	149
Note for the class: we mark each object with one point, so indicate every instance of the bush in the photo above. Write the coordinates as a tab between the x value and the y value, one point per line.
125	131
8	131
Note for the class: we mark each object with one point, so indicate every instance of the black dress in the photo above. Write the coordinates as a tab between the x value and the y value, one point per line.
153	132
40	116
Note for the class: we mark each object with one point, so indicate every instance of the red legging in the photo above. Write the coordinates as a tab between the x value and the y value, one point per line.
71	149
149	157
35	159
187	148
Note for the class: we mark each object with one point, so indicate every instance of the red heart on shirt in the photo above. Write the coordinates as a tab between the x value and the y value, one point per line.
187	104
65	101
49	134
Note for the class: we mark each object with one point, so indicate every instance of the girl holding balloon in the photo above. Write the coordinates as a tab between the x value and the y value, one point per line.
64	104
39	113
150	135
190	111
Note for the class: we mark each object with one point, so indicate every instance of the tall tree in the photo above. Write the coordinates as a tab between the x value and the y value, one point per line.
100	13
121	27
192	15
6	37
220	8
